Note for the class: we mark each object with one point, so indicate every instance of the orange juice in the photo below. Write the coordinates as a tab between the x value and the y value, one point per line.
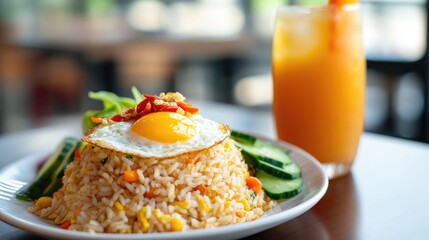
319	81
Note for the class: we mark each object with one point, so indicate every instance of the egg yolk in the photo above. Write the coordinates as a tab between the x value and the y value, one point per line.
165	127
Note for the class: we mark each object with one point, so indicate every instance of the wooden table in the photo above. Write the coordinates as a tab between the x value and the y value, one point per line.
385	197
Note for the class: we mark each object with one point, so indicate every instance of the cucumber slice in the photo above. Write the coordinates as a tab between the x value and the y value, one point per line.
272	151
264	156
256	147
289	171
250	159
243	138
277	188
48	179
59	172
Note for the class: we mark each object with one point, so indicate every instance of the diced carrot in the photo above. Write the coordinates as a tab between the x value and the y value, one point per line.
201	188
239	214
66	224
254	184
150	194
96	120
131	176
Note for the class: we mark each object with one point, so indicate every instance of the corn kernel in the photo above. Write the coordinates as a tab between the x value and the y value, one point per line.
157	213
144	223
203	204
227	204
245	204
44	202
227	147
163	218
83	171
183	204
118	206
73	220
143	211
176	224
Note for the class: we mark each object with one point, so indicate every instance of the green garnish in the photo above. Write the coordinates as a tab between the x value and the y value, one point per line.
112	105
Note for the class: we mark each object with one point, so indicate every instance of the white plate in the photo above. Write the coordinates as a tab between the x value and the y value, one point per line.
19	173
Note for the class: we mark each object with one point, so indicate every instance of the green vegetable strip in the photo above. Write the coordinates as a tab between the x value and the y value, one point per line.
48	179
112	105
136	94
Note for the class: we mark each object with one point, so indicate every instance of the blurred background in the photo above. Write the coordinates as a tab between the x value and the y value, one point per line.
52	52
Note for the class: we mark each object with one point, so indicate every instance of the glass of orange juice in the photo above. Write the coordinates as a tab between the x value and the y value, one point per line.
319	69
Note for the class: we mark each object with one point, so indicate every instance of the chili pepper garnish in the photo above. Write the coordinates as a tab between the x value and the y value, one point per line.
169	109
188	107
148	105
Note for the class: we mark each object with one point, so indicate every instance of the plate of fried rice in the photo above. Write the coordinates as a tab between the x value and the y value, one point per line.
103	207
154	168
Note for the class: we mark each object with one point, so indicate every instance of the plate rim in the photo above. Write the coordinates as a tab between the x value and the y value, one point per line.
263	223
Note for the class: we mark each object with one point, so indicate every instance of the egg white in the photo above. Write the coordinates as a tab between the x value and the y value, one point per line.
119	137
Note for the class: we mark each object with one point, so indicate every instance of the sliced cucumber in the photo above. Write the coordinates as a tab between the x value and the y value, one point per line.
49	177
268	161
264	155
289	171
272	151
264	149
243	138
277	188
250	159
279	174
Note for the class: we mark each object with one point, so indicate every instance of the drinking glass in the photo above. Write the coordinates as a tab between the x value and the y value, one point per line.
319	69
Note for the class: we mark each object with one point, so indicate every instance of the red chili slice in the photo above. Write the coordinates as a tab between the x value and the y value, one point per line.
169	109
130	111
188	107
146	110
157	108
142	105
118	118
150	97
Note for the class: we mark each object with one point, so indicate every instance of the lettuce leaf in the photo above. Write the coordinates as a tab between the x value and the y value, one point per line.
112	105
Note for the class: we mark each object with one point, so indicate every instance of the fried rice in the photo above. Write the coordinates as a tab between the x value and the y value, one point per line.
195	190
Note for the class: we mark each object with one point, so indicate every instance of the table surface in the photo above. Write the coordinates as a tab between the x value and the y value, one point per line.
385	197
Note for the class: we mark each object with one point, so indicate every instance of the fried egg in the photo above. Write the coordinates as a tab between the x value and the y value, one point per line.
159	135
